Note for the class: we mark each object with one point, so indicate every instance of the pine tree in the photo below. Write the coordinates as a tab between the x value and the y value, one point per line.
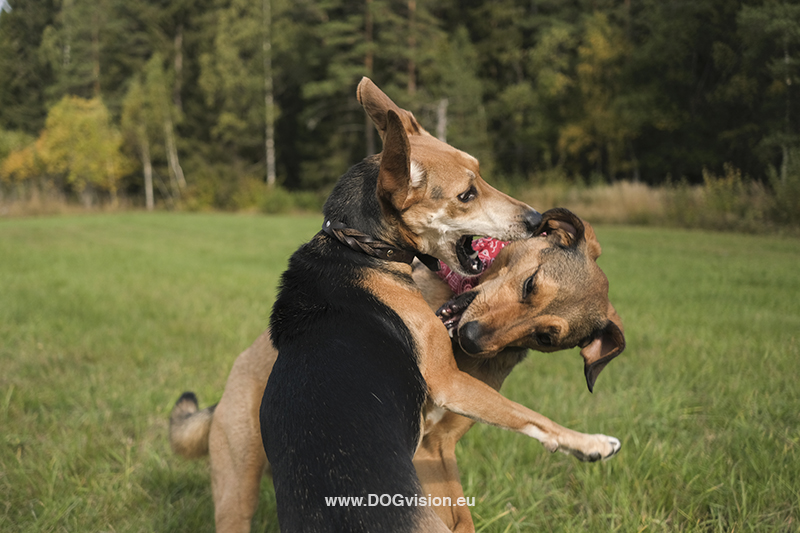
231	76
135	121
74	47
22	71
599	128
771	36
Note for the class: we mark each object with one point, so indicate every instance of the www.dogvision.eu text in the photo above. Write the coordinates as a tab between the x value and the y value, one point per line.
398	500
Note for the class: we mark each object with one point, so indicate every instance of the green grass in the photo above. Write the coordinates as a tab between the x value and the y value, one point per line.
105	320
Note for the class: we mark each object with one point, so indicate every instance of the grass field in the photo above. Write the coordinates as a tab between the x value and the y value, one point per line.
106	319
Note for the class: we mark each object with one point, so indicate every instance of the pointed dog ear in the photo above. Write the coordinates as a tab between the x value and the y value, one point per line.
394	176
377	105
592	244
609	344
562	225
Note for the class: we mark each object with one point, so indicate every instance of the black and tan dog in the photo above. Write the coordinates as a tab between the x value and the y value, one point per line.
320	422
563	259
359	350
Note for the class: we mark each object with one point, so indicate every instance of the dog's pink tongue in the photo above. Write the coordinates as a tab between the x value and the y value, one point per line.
487	249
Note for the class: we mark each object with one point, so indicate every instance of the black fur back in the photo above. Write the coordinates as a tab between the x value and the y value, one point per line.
340	414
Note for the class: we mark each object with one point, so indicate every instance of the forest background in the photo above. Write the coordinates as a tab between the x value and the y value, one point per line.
683	112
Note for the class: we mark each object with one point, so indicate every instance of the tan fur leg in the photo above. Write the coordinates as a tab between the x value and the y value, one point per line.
238	460
461	393
236	470
437	469
457	391
429	522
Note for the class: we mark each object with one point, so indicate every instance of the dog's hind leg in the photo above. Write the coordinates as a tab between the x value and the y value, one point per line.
238	461
237	466
437	469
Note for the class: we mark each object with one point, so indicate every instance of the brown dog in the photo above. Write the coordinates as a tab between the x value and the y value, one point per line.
349	309
360	352
545	294
564	262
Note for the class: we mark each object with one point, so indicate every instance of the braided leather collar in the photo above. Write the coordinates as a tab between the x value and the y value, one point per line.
361	242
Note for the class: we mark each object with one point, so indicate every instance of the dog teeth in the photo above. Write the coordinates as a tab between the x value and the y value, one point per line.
476	266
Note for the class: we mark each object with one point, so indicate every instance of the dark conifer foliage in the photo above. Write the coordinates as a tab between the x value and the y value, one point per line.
649	90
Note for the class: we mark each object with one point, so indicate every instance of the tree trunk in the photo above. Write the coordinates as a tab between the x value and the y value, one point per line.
67	52
176	172
412	46
147	164
269	110
176	89
164	190
96	54
784	162
87	197
369	128
788	117
441	120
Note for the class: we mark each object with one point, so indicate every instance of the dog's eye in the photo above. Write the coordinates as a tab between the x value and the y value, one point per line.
543	339
529	287
468	195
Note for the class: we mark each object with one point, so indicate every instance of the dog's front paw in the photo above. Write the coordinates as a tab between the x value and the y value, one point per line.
592	448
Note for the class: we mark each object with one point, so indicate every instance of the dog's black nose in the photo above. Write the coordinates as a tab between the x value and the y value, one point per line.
469	337
532	220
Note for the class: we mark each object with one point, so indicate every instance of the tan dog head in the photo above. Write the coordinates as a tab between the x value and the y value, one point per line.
433	194
547	294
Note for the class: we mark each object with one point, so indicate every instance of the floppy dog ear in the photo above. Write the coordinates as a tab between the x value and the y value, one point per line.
377	104
394	176
562	225
604	348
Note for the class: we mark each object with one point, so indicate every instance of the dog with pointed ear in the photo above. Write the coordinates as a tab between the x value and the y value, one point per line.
433	193
378	105
401	187
546	293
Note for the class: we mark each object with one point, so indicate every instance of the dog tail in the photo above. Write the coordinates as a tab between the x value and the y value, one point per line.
189	427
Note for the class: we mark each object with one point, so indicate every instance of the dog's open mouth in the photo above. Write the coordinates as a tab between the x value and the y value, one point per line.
450	312
468	256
